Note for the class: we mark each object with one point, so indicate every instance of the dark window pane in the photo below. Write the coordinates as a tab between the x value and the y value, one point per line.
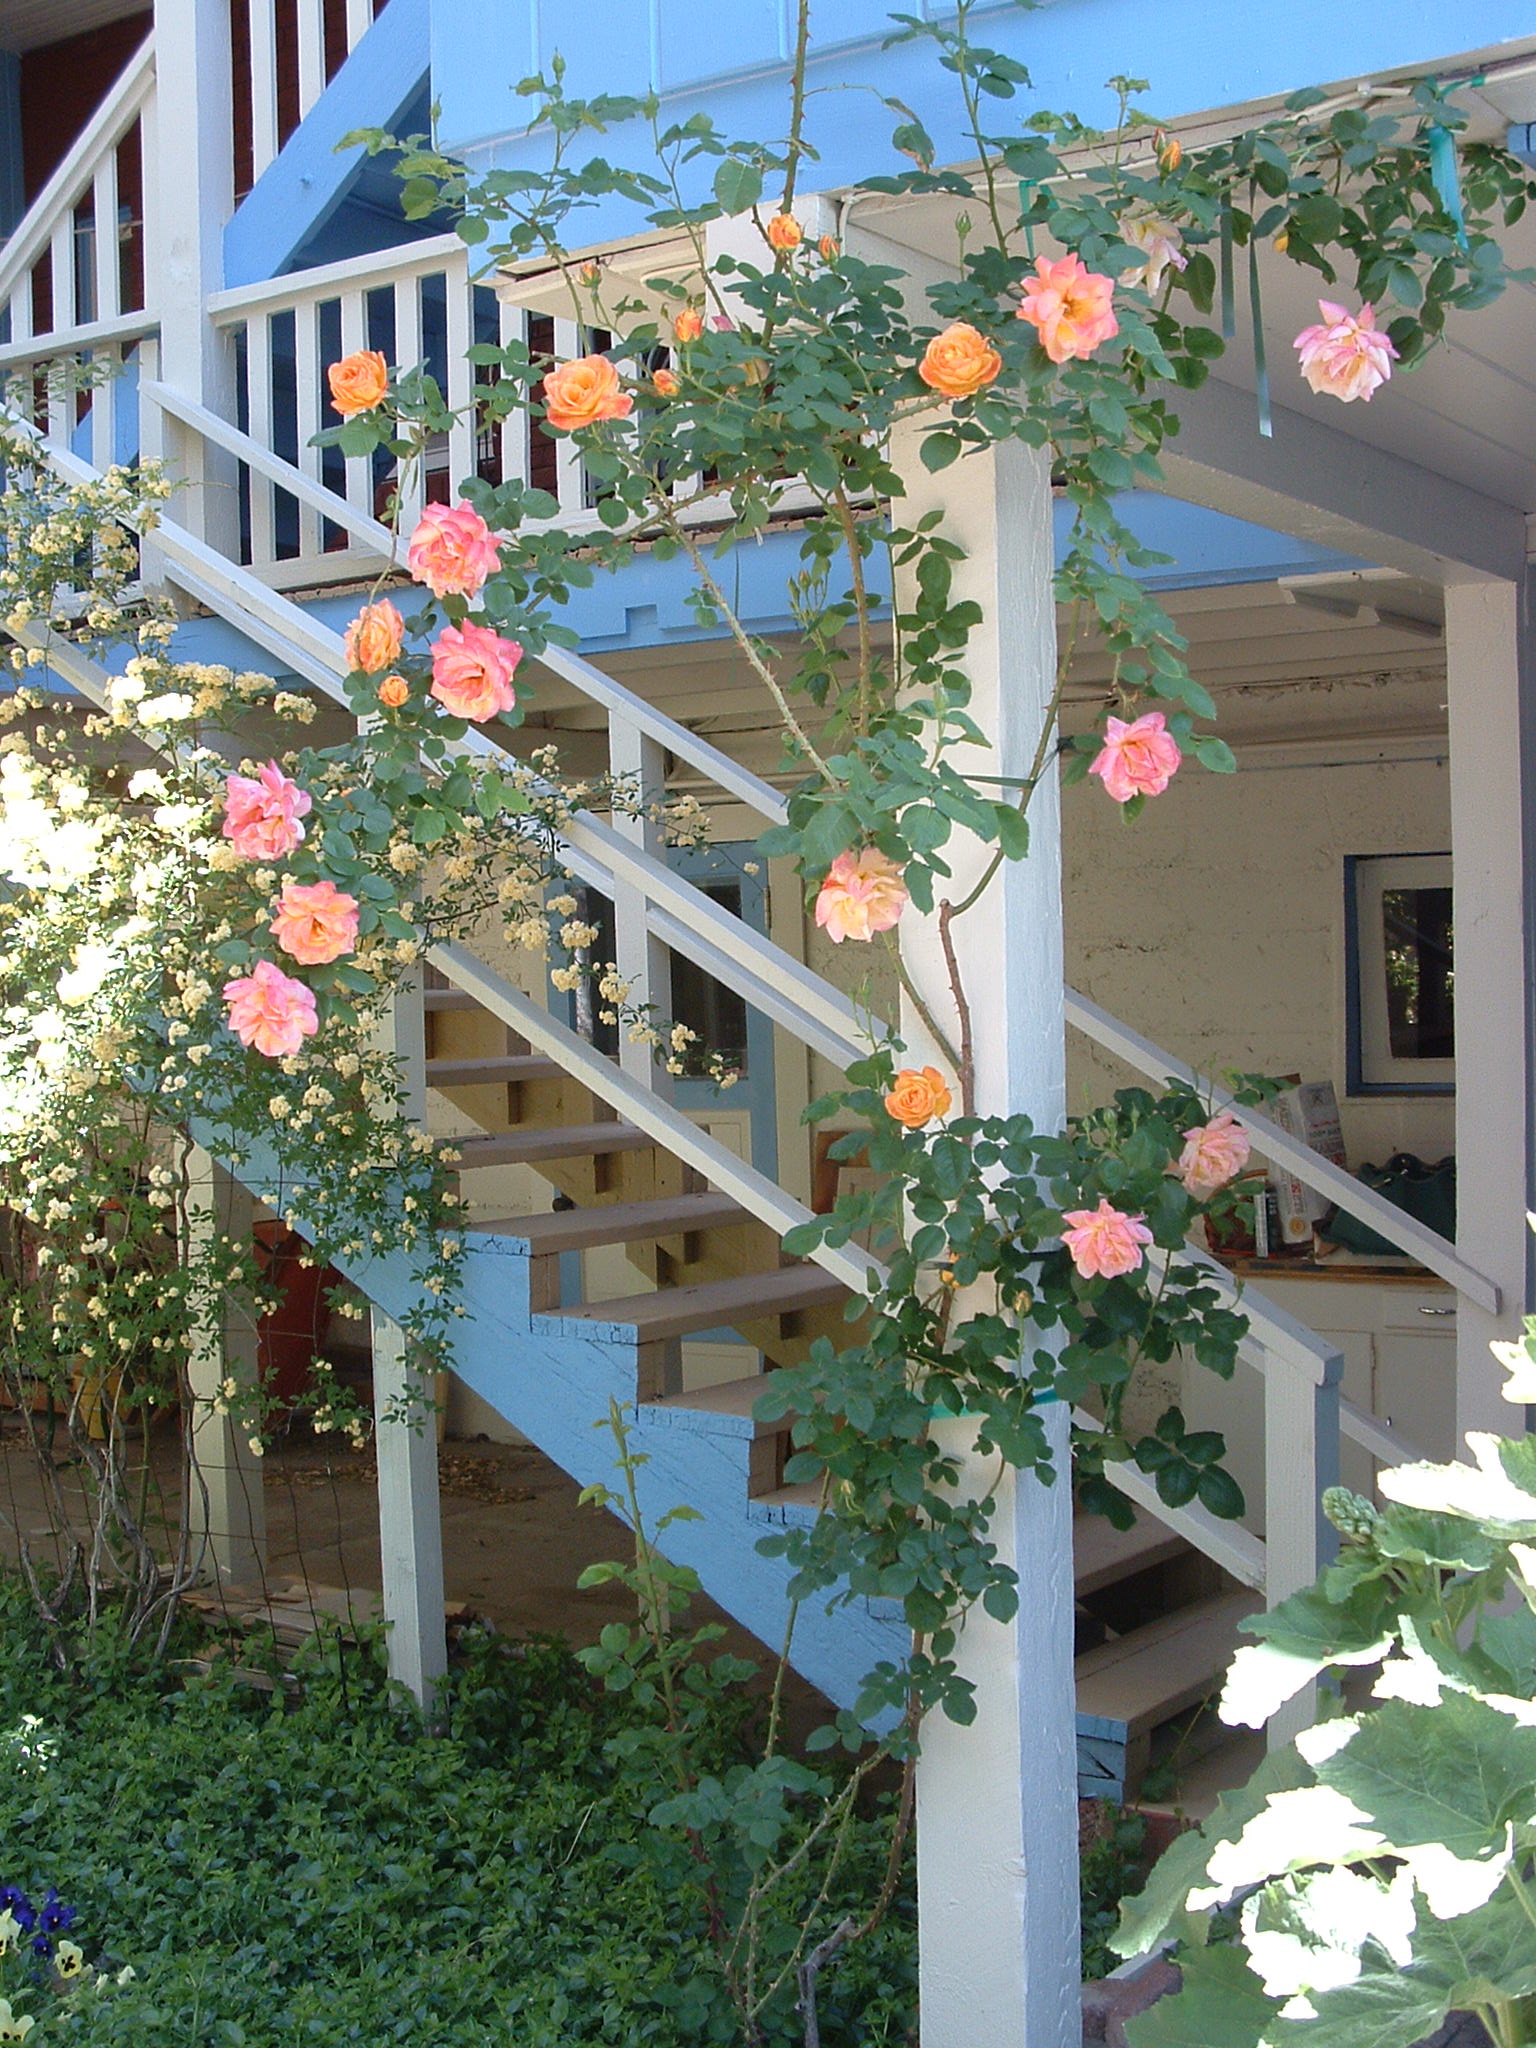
1417	938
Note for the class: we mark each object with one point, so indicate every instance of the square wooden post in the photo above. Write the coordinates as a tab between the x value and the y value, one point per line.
226	1509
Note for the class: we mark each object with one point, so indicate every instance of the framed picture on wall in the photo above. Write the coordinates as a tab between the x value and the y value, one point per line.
1400	969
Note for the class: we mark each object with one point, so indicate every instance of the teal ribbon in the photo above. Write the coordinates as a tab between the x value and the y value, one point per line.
1260	364
1445	176
1228	310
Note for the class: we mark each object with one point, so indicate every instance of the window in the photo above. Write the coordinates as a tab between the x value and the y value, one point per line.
1400	948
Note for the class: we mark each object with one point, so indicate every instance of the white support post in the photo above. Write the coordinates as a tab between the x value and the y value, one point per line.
226	1508
410	1518
1301	1460
997	1801
192	179
642	960
1489	827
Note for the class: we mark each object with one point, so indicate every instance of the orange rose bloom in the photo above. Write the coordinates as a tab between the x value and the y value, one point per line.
580	394
959	362
918	1097
373	638
784	233
689	324
666	384
393	692
358	382
828	247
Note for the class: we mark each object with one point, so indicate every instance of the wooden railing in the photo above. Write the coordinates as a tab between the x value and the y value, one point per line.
286	52
76	278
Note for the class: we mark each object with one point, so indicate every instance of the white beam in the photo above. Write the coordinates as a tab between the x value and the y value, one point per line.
997	1802
1322	485
1483	628
226	1509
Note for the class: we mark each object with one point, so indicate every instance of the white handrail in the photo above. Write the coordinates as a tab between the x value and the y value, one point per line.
1236	1549
331	280
69	341
1405	1231
106	128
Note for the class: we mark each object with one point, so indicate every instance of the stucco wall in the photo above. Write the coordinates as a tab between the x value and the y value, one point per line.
1215	923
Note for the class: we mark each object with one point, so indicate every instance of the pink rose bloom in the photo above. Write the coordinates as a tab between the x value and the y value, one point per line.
1069	305
1105	1240
316	922
472	671
1346	357
1212	1153
452	551
261	817
374	638
1139	757
862	894
270	1010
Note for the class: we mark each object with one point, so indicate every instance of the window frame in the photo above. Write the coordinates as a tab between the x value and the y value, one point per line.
1371	1068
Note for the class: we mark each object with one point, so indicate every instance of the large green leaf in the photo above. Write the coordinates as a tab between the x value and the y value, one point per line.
1384	2008
1221	2005
1456	1965
1301	1637
1451	1774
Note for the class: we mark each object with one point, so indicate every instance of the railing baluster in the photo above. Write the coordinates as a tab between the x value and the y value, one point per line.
21	309
308	375
461	436
104	410
359	21
262	428
311	53
410	479
109	295
514	428
62	271
263	24
354	335
572	488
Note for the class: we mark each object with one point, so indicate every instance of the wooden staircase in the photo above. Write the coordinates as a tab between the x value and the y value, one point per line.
1156	1622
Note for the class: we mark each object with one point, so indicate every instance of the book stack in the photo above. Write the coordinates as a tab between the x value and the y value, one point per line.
1310	1112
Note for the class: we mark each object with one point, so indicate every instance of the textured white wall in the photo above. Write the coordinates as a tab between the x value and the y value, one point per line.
1215	923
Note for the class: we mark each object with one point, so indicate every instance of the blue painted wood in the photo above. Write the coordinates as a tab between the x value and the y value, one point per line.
309	180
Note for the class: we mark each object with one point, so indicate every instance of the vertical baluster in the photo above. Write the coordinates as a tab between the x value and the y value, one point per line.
359	21
311	53
63	272
261	427
263	19
109	296
21	308
461	438
104	408
354	335
572	491
514	428
410	481
60	373
306	351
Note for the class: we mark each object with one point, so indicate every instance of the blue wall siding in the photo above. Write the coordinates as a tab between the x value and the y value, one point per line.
13	203
729	53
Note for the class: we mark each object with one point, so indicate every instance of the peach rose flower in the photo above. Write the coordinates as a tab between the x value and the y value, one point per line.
665	383
271	1011
1069	306
862	894
1139	757
959	362
784	233
374	638
828	248
1163	245
918	1097
688	325
315	923
393	692
1105	1241
472	671
261	814
1212	1154
1346	357
452	551
580	394
359	382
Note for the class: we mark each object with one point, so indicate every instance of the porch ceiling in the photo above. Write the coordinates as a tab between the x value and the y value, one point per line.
30	24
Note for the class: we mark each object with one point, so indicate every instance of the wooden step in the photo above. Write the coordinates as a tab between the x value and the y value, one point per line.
1144	1678
574	1230
528	1146
745	1298
448	999
509	1066
730	1397
1102	1555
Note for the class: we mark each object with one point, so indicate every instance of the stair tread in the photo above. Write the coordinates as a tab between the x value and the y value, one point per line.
526	1145
448	999
727	1397
507	1066
1142	1678
674	1311
569	1230
1102	1554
